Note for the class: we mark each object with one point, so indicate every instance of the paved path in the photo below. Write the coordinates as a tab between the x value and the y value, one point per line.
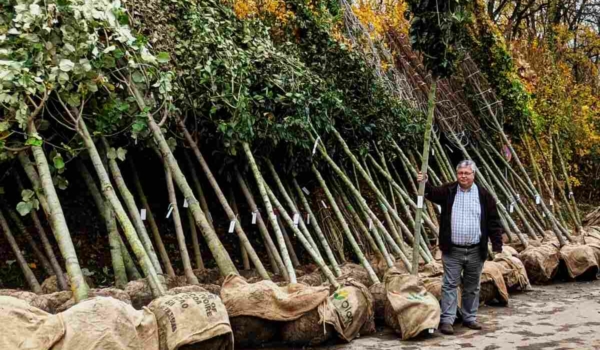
558	316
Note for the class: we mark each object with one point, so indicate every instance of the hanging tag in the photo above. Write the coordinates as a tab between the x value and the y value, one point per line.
422	221
305	190
439	207
324	205
518	197
170	210
143	214
538	199
296	219
185	203
570	195
231	226
420	202
370	224
544	214
511	208
308	219
433	151
254	218
551	203
315	146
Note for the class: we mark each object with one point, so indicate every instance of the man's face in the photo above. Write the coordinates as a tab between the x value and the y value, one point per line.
465	176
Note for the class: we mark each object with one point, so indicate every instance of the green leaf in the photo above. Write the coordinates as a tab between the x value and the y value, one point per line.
163	57
112	153
66	65
43	125
27	195
59	162
33	141
138	77
121	153
24	208
4	126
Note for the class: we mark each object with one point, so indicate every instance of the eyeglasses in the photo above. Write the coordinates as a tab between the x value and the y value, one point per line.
464	173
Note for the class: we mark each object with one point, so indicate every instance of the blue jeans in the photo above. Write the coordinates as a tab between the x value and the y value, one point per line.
468	263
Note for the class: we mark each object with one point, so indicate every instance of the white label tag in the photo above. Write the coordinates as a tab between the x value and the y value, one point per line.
296	219
538	199
511	208
420	202
143	214
570	195
518	197
551	203
185	203
170	210
254	218
439	207
370	224
308	219
544	214
315	146
231	226
305	190
433	151
324	205
422	221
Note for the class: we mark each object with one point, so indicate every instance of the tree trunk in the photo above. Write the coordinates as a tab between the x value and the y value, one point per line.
424	168
245	260
116	254
109	193
29	276
221	197
162	251
130	267
195	241
272	217
199	189
359	254
569	188
185	257
41	257
59	223
132	208
275	259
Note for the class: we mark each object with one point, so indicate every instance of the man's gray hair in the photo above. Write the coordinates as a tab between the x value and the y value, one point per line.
467	163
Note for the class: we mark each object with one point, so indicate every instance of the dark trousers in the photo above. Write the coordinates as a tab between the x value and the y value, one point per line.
466	264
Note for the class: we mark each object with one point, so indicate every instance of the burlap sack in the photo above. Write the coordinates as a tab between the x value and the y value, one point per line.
350	311
269	301
308	330
356	272
433	269
492	283
591	238
47	302
410	309
98	292
541	262
379	299
579	259
191	318
107	323
27	327
513	270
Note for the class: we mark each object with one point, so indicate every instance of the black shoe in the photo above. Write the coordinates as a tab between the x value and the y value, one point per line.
473	325
446	328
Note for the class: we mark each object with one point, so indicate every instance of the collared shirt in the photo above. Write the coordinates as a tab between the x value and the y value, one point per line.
466	216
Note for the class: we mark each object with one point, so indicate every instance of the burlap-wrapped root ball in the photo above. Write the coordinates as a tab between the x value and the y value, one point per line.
307	330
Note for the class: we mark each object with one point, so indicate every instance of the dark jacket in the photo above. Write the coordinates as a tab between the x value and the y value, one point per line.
490	220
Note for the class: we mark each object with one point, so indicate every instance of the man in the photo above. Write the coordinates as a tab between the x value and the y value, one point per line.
469	218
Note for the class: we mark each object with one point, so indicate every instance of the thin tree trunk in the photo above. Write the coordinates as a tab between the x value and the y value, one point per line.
41	257
116	253
569	188
185	257
195	241
130	267
59	224
162	251
305	243
132	208
424	168
288	242
109	193
276	262
359	254
217	249
362	202
60	277
317	228
221	197
448	166
245	260
199	190
292	206
272	217
29	276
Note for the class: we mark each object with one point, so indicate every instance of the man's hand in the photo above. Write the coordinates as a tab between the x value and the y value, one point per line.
421	178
